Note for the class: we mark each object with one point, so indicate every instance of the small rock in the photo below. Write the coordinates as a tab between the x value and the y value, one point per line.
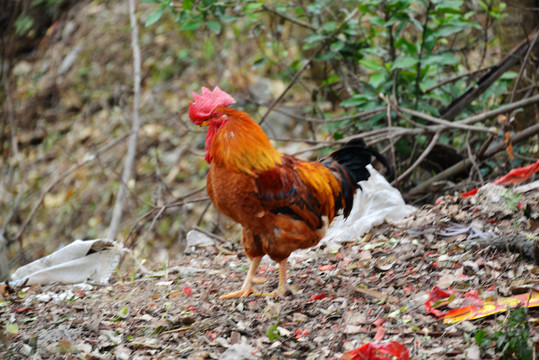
122	353
198	239
472	353
22	68
240	351
235	337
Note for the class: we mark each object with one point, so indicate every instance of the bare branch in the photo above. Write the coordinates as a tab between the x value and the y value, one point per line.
135	126
419	159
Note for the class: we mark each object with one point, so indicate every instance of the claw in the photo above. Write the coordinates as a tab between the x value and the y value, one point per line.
239	294
247	288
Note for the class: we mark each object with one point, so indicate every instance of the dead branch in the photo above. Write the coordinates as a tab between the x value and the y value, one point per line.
419	160
447	124
289	18
460	103
523	66
135	126
516	244
466	163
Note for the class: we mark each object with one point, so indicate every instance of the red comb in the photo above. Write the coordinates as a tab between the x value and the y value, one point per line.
203	106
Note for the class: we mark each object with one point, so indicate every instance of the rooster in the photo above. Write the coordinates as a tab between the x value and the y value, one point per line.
283	203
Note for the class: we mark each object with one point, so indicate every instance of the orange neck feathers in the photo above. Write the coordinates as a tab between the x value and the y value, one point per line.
236	142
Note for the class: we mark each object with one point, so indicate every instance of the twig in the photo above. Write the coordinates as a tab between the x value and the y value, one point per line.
522	67
176	202
9	108
289	18
516	244
210	234
360	115
135	126
502	109
420	57
472	159
419	159
307	64
391	144
458	77
447	124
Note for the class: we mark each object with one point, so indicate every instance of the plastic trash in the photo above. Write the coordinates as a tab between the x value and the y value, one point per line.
512	177
80	261
376	203
391	350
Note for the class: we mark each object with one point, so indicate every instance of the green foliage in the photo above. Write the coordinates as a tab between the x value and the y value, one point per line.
513	338
413	52
273	333
23	24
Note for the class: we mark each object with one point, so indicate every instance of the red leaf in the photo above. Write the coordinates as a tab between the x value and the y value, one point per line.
392	350
318	296
327	267
187	290
380	333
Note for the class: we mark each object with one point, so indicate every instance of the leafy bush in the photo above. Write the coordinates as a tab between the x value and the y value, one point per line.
513	340
414	52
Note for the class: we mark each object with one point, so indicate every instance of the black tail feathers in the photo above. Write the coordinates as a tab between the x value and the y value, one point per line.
355	156
349	164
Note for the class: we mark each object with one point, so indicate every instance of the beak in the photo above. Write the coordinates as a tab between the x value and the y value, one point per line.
204	123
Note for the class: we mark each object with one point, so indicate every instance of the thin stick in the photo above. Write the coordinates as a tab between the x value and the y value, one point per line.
522	67
419	159
135	126
449	124
289	18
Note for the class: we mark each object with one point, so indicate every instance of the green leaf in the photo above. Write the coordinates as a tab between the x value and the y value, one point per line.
154	17
187	4
273	333
356	100
214	26
336	46
254	6
11	328
314	39
377	79
371	64
444	59
403	62
191	25
228	18
23	24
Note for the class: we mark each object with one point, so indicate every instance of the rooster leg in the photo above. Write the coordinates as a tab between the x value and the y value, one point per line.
281	289
247	287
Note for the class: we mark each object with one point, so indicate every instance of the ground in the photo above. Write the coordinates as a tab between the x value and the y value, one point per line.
341	296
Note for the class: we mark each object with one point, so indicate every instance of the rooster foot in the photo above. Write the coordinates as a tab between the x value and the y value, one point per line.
239	293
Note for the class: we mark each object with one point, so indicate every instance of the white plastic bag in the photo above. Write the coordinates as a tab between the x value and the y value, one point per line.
376	203
82	260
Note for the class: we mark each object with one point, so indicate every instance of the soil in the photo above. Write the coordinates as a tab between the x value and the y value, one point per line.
340	296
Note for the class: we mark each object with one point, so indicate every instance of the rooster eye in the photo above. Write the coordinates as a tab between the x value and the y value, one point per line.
216	115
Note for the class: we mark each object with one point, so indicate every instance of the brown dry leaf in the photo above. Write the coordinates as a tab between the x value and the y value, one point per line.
507	140
377	295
